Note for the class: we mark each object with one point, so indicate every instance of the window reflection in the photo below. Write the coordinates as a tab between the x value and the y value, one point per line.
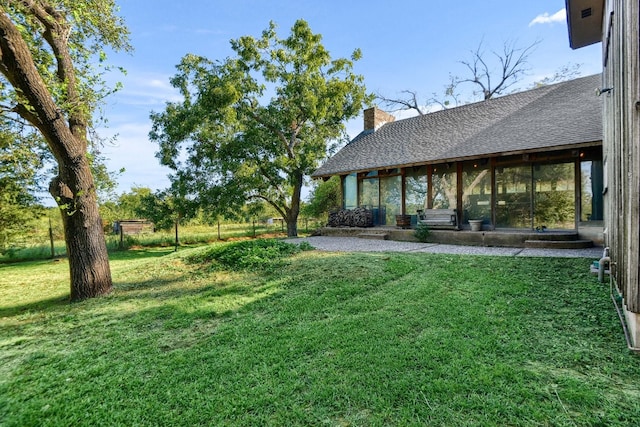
476	191
443	183
555	202
350	191
591	208
513	197
415	189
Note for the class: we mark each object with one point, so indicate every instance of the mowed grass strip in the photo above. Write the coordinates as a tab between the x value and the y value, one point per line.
191	338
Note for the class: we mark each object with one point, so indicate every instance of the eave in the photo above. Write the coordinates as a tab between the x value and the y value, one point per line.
584	20
465	159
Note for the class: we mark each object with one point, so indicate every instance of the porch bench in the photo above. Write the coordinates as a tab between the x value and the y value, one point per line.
439	218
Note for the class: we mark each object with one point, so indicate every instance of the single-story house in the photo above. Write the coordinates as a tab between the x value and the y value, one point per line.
530	160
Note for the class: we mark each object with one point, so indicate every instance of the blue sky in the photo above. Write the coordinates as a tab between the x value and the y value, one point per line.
408	44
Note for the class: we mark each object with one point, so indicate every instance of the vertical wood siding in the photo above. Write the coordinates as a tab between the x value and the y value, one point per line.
621	49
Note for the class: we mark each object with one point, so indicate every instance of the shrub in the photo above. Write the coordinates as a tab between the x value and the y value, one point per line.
305	246
422	232
259	254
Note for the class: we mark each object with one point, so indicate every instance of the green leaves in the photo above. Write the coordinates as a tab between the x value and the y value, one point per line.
88	28
254	125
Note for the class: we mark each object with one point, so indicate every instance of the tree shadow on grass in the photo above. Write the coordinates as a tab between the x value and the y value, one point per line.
119	256
57	303
159	289
165	291
40	305
141	253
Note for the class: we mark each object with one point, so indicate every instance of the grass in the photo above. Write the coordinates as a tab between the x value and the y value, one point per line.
190	338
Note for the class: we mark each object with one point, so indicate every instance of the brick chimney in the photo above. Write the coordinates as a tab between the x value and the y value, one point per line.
374	118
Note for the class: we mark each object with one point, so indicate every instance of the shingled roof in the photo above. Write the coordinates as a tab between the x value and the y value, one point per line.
553	117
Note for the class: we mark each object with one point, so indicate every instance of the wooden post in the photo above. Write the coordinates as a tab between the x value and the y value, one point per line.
429	201
403	192
254	228
177	241
219	230
53	250
121	236
494	193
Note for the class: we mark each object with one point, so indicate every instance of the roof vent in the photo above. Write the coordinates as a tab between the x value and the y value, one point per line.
586	13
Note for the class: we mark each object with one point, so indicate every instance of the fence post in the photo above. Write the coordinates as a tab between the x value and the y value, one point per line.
177	241
254	228
53	250
121	237
219	230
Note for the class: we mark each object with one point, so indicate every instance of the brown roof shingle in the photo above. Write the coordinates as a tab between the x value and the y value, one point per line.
545	118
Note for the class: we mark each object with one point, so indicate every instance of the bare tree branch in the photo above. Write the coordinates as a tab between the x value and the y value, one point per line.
512	64
564	73
491	75
400	104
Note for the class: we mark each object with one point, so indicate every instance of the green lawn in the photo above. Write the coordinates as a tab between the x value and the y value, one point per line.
317	339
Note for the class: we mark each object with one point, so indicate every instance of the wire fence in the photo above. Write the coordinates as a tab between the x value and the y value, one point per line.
46	239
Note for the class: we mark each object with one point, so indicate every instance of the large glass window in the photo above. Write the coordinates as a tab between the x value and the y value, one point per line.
554	197
476	191
443	184
370	196
539	195
513	197
369	193
350	191
415	183
591	208
391	197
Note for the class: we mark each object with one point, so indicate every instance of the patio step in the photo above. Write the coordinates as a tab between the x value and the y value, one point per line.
374	236
558	244
554	235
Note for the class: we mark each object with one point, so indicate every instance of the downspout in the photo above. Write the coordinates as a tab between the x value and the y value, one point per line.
623	322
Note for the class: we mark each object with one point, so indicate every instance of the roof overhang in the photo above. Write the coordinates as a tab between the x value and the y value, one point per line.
584	19
578	146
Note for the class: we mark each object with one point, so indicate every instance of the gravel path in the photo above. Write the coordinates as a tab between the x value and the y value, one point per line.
355	244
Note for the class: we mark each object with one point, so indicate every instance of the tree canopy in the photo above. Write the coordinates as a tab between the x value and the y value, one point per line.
52	56
325	196
21	160
254	125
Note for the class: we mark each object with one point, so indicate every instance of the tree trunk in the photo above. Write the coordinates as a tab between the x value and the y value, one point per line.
294	211
84	236
292	228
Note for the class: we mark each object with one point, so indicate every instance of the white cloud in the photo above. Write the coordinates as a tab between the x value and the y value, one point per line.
545	18
147	89
134	152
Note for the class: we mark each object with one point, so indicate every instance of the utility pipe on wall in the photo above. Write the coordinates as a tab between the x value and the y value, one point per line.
623	322
601	265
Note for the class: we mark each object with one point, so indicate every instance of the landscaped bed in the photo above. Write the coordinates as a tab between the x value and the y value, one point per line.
276	336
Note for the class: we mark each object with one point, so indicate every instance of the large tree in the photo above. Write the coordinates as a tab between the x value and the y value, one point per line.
254	125
48	49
